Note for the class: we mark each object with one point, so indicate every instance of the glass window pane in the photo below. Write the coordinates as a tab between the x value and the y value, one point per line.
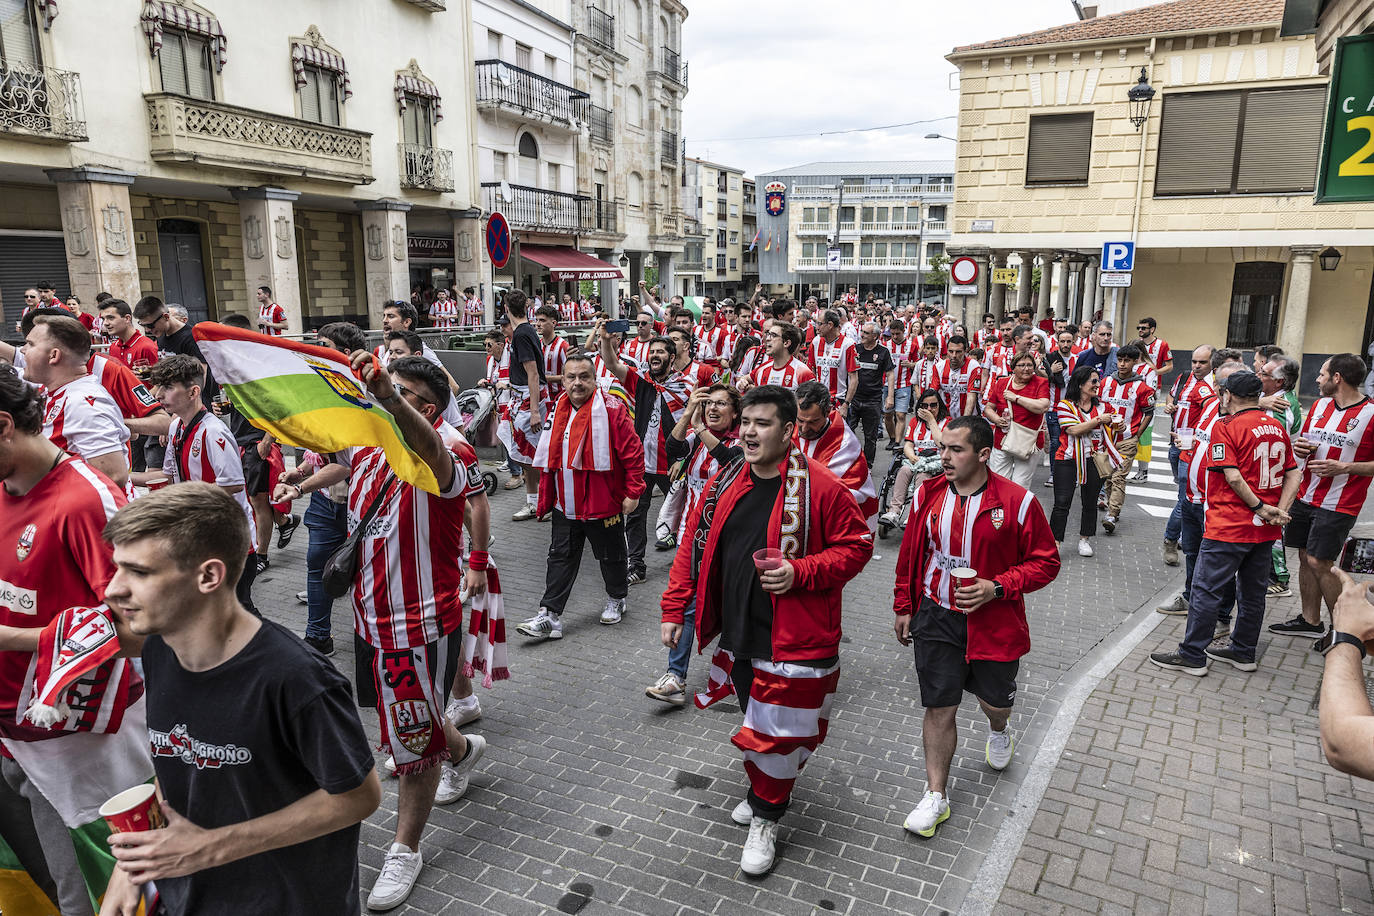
172	63
18	38
200	80
823	214
882	214
880	249
911	250
310	95
868	214
809	214
866	250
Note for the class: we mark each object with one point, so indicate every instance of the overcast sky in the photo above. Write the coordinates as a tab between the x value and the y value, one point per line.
769	67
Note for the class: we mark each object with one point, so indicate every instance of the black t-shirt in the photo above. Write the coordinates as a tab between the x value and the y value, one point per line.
746	609
873	365
271	725
524	342
185	343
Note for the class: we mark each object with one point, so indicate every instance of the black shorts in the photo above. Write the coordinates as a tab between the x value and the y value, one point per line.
940	639
256	471
1320	532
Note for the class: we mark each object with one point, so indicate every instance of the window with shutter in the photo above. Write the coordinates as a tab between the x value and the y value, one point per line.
1059	149
18	34
185	64
1197	143
320	96
1281	140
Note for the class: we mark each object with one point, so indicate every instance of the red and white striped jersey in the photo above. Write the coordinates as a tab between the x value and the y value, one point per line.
555	352
409	574
987	337
716	340
1195	459
82	418
270	311
789	376
701	467
906	351
208	453
1131	399
949	534
750	361
700	375
129	393
1340	435
1157	351
605	378
727	348
444	314
568	311
832	363
1191	393
955	384
474	310
1080	344
925	371
996	360
635	349
919	435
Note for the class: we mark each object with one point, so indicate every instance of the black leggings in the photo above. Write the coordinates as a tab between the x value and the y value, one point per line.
1065	481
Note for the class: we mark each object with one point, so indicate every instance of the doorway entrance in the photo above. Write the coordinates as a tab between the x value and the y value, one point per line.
180	246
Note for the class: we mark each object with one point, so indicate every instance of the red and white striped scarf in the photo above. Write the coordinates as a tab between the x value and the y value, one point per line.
583	437
484	645
76	681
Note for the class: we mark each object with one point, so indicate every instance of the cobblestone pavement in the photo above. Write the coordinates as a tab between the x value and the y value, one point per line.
594	798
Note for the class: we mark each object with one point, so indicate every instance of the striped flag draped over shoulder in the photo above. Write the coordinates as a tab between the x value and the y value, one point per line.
305	396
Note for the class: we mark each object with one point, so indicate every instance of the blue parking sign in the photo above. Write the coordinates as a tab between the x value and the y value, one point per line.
1118	256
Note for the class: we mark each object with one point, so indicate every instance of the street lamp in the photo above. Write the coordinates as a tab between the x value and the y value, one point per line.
939	137
1140	96
1329	259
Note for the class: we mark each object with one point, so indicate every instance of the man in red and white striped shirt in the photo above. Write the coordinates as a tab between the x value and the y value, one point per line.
713	334
781	343
988	334
958	379
1131	398
834	360
443	311
555	350
1157	352
271	316
1336	444
825	437
1182	405
904	352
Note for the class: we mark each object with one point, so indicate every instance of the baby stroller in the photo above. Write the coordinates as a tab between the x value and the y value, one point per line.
477	407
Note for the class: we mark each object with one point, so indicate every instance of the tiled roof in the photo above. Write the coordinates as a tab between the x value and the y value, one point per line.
1160	19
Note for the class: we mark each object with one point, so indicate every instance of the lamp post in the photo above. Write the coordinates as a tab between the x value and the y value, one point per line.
939	137
1329	259
1140	96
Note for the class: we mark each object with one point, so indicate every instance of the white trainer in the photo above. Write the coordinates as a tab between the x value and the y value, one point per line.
743	814
760	849
461	712
390	766
614	611
451	786
400	869
999	749
1085	547
929	814
669	689
542	626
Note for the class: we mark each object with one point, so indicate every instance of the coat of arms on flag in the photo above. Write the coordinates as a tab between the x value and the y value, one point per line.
774	197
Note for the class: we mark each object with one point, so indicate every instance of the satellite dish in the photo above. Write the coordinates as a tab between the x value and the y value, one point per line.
505	191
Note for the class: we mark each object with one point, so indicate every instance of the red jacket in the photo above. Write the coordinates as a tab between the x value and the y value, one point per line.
806	619
600	494
1012	545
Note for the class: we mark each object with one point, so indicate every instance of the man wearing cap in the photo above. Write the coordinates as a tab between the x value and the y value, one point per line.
1253	480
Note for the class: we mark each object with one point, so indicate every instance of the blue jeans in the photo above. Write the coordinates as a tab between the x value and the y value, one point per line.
679	654
1052	423
1223	565
327	522
1172	530
1191	542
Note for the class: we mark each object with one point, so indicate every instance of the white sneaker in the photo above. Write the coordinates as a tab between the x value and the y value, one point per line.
400	869
760	848
524	513
542	626
303	597
390	767
929	814
477	746
614	611
743	814
669	689
461	712
999	749
889	518
451	786
1085	547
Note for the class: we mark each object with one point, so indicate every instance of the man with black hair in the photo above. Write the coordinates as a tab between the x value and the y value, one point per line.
778	618
520	434
976	544
396	316
403	343
780	345
874	380
827	439
130	346
271	316
1133	399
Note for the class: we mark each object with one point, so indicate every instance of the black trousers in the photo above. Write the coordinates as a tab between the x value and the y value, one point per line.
1065	482
870	413
637	522
243	590
607	537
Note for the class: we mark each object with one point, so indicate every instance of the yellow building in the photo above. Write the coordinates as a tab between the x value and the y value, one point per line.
1216	189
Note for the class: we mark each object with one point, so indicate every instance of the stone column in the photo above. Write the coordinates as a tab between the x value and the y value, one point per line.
98	227
1046	279
386	259
470	266
975	306
1023	283
1293	330
997	293
1092	293
1061	295
666	278
268	224
610	289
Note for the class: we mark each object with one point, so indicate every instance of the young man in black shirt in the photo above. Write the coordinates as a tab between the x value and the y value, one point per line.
261	761
875	368
521	433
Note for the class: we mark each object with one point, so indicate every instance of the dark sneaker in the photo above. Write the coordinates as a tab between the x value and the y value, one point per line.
1175	662
323	646
638	577
286	529
1297	627
1228	654
667	542
263	564
1278	590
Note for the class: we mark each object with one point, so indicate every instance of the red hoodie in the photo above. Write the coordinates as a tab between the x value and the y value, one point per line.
806	619
1012	545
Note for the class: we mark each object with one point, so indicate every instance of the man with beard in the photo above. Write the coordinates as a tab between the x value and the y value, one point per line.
958	379
778	618
834	360
827	439
659	397
780	346
714	335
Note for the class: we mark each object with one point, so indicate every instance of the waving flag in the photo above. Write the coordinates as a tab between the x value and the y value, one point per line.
305	396
768	246
755	243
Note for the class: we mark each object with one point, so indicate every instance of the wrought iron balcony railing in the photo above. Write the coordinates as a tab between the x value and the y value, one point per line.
605	216
425	167
41	102
601	122
538	209
601	27
503	85
671	65
668	145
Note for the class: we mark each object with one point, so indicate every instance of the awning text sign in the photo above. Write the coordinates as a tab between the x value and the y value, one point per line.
1346	169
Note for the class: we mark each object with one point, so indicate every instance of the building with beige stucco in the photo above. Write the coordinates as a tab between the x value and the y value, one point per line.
196	151
1216	187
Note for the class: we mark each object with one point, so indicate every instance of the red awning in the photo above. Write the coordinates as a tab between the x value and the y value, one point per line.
567	263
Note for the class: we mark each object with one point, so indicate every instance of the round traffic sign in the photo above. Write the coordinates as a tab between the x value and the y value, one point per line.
498	240
963	271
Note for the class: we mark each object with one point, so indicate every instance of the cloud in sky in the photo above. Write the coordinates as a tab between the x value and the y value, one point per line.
769	67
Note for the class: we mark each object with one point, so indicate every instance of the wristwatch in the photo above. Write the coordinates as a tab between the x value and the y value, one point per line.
998	591
1338	637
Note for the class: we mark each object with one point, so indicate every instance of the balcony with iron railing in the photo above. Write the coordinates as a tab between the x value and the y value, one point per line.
672	66
540	210
604	216
600	27
668	145
41	103
511	88
601	122
206	133
425	168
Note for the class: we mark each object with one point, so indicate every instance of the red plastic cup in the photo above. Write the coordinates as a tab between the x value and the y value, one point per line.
134	810
963	576
768	558
159	483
